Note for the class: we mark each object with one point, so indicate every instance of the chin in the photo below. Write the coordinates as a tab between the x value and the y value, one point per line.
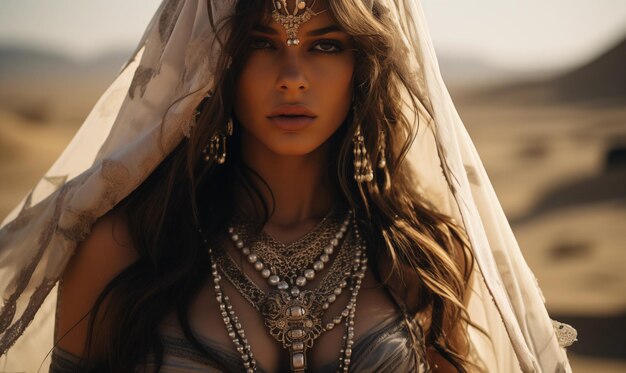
288	144
293	148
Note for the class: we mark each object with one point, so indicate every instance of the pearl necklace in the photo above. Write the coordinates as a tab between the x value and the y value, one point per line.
285	281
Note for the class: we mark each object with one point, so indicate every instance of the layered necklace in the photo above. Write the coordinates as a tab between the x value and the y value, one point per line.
294	315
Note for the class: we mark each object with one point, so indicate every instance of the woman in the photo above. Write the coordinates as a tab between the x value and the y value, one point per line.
305	114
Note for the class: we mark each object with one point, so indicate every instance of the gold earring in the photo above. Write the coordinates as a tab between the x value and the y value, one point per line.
216	148
362	167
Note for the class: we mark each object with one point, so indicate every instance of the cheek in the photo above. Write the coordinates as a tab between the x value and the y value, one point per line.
255	86
249	94
335	87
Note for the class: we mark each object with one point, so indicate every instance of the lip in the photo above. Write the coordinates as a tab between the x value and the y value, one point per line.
292	110
291	123
291	117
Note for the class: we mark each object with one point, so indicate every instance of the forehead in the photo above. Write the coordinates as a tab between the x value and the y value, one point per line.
315	5
323	15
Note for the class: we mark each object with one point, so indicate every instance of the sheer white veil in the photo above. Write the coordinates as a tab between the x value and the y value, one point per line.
144	114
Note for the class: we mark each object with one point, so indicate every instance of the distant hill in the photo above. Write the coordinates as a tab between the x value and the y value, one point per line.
42	86
458	70
23	60
601	79
18	62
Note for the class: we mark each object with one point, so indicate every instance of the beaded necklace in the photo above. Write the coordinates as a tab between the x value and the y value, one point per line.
292	314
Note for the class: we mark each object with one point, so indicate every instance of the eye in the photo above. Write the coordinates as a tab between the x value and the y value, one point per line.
260	43
328	46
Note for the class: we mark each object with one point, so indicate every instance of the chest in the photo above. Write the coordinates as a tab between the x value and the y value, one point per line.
374	310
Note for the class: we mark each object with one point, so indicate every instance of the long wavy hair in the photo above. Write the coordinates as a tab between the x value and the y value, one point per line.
418	253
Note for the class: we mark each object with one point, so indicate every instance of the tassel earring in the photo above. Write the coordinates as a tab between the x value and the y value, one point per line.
382	160
362	167
216	148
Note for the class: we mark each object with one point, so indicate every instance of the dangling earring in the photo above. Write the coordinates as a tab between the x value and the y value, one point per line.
382	160
362	168
216	148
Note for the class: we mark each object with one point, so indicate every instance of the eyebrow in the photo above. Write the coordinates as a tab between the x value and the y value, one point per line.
316	32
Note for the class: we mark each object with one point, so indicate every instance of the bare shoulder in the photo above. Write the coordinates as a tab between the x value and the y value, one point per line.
106	251
108	248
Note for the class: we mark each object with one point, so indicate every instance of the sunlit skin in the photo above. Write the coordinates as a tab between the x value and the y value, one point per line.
315	75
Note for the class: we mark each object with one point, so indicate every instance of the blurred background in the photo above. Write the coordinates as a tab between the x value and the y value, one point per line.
541	87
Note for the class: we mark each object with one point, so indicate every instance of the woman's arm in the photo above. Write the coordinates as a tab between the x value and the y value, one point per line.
97	260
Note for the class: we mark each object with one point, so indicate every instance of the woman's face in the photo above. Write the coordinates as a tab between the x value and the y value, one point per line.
291	99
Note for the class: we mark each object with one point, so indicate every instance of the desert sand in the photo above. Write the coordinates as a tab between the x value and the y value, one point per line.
548	165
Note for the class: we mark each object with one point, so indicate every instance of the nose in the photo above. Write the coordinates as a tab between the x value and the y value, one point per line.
291	77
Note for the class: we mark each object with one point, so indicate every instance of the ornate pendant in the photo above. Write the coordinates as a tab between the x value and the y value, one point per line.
295	322
291	20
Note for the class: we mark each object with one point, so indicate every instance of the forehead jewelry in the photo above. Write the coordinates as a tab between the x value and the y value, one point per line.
291	19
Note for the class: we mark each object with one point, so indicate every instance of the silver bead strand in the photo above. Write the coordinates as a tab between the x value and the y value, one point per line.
307	274
358	272
345	355
233	327
355	276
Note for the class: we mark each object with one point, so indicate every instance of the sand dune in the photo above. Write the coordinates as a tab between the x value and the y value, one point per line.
601	81
602	78
27	150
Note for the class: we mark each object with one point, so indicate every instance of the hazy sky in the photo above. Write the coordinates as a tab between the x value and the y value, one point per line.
515	34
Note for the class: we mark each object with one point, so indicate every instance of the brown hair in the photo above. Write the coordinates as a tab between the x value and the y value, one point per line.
417	252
